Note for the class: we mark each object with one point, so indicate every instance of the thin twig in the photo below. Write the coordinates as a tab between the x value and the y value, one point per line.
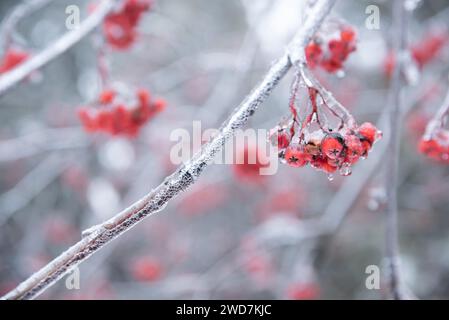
13	77
439	119
96	237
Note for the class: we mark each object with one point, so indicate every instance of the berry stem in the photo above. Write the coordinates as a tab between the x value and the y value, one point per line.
328	99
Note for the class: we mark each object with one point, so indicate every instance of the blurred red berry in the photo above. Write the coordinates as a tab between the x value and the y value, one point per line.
146	269
12	58
249	163
303	291
120	27
429	48
313	54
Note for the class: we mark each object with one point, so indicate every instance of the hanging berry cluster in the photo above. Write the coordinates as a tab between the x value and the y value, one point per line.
120	27
120	112
330	50
422	52
435	141
12	58
313	138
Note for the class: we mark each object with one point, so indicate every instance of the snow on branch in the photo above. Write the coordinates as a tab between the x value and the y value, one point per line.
97	236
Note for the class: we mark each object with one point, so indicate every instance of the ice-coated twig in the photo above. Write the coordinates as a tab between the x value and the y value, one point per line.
180	180
439	119
13	77
395	281
21	11
329	100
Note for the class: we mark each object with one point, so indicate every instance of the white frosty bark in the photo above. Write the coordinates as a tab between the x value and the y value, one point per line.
97	236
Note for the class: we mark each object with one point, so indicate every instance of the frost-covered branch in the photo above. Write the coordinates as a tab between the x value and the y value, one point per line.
13	77
98	236
439	119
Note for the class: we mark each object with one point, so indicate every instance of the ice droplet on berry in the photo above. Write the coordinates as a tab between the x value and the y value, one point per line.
345	170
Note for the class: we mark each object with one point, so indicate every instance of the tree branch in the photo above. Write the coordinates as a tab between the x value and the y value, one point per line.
439	119
13	77
392	161
98	236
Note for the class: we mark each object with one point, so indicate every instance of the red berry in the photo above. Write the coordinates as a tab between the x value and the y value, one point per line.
146	269
347	34
159	105
354	148
296	156
120	27
322	163
313	54
249	163
303	291
332	145
12	58
369	132
434	149
429	48
107	96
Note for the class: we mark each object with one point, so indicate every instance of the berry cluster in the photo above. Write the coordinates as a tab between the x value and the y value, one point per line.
429	48
12	58
120	27
330	54
422	52
328	151
312	139
146	269
119	114
436	145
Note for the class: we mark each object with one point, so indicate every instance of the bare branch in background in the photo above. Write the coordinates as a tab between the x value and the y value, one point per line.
31	186
96	237
19	12
42	141
395	280
13	77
